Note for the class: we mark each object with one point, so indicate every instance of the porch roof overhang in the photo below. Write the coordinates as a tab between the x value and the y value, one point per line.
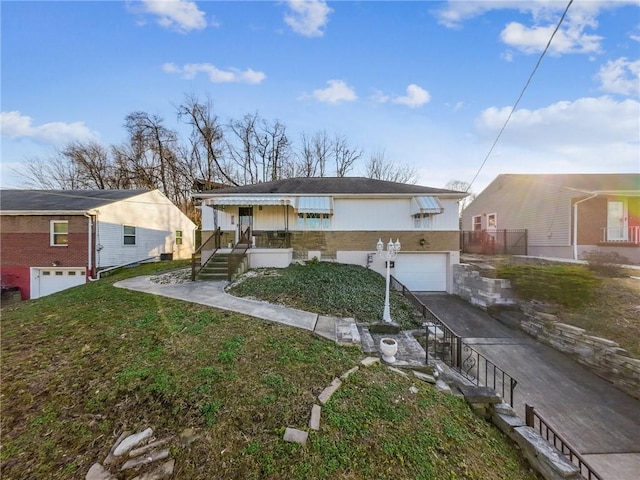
425	205
315	205
244	201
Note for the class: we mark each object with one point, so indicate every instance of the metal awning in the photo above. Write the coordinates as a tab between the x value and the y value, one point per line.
315	205
425	205
244	201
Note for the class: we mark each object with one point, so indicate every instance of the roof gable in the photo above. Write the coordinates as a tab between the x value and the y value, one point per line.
587	182
330	186
61	200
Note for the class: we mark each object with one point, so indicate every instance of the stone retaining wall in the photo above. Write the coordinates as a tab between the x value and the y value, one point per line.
474	285
603	357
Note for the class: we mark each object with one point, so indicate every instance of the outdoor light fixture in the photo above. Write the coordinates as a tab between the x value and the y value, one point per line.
390	254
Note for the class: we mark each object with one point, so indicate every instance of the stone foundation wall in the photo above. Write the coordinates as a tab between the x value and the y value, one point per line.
603	357
470	283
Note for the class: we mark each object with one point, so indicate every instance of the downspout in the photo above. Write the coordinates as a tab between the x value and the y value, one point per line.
90	244
575	224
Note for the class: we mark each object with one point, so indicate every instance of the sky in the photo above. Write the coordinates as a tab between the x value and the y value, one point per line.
429	83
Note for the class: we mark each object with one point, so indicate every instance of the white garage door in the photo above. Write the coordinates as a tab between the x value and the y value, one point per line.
52	280
422	272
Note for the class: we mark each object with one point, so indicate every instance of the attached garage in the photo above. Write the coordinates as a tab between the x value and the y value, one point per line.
422	272
45	281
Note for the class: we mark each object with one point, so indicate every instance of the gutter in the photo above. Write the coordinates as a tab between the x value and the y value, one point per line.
89	244
575	224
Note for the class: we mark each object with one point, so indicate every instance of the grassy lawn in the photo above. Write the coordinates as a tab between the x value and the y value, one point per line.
82	365
330	289
607	307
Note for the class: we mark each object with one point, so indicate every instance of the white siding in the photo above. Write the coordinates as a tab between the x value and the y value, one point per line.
372	214
156	220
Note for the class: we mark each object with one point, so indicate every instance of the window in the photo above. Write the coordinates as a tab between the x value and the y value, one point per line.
492	221
477	223
422	220
129	235
59	233
178	237
313	221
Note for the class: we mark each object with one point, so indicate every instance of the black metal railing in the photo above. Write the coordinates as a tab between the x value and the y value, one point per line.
444	344
494	242
210	246
535	421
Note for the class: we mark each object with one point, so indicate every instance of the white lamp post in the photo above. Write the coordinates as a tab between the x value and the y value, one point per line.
388	256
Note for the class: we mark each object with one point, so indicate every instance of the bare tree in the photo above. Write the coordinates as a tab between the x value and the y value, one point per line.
344	155
55	173
461	186
206	141
380	167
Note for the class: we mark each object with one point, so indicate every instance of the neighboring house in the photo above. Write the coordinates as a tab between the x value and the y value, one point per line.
341	219
55	239
565	215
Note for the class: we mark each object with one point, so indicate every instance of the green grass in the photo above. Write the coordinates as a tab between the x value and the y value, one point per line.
326	288
82	365
568	286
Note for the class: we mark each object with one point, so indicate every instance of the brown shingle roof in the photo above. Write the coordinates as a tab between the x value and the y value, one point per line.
331	185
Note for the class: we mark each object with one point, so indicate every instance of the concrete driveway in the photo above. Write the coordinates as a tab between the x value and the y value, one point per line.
599	421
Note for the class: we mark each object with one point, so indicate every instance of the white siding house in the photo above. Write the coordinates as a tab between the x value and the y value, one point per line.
341	219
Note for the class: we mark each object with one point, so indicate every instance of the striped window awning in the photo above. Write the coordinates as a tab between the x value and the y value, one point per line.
315	205
244	201
425	205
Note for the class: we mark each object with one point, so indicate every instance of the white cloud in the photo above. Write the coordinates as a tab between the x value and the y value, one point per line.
337	91
15	125
545	14
620	76
308	17
181	15
570	39
416	97
578	126
231	75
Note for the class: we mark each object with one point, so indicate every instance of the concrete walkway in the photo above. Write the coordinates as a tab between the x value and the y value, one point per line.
599	421
213	295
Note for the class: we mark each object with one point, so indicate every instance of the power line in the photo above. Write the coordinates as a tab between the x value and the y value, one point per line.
515	105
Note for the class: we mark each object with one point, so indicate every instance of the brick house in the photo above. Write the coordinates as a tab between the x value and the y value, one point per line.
340	219
565	215
51	240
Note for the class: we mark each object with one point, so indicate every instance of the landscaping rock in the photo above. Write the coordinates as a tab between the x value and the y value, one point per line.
163	471
98	472
132	441
153	456
346	374
485	395
397	370
111	459
425	377
142	450
314	421
325	395
443	386
295	436
367	362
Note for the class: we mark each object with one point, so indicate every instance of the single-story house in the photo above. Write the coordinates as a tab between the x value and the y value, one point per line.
340	219
565	215
51	240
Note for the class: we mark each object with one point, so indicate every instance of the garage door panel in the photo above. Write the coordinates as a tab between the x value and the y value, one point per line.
422	272
54	280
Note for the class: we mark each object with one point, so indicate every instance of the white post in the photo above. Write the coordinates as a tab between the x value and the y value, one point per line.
388	256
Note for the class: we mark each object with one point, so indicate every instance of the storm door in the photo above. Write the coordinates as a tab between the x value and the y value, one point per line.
245	224
616	221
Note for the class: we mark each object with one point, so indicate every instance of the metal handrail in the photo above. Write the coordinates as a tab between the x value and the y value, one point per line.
554	438
449	347
197	255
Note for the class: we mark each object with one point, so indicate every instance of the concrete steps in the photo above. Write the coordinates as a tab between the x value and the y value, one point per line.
217	268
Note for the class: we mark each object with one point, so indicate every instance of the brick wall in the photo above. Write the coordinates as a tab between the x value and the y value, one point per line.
25	243
330	242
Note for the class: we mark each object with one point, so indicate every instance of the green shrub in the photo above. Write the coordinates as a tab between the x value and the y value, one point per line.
569	286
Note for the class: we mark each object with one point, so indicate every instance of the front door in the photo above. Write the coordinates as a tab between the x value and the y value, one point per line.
616	221
245	224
